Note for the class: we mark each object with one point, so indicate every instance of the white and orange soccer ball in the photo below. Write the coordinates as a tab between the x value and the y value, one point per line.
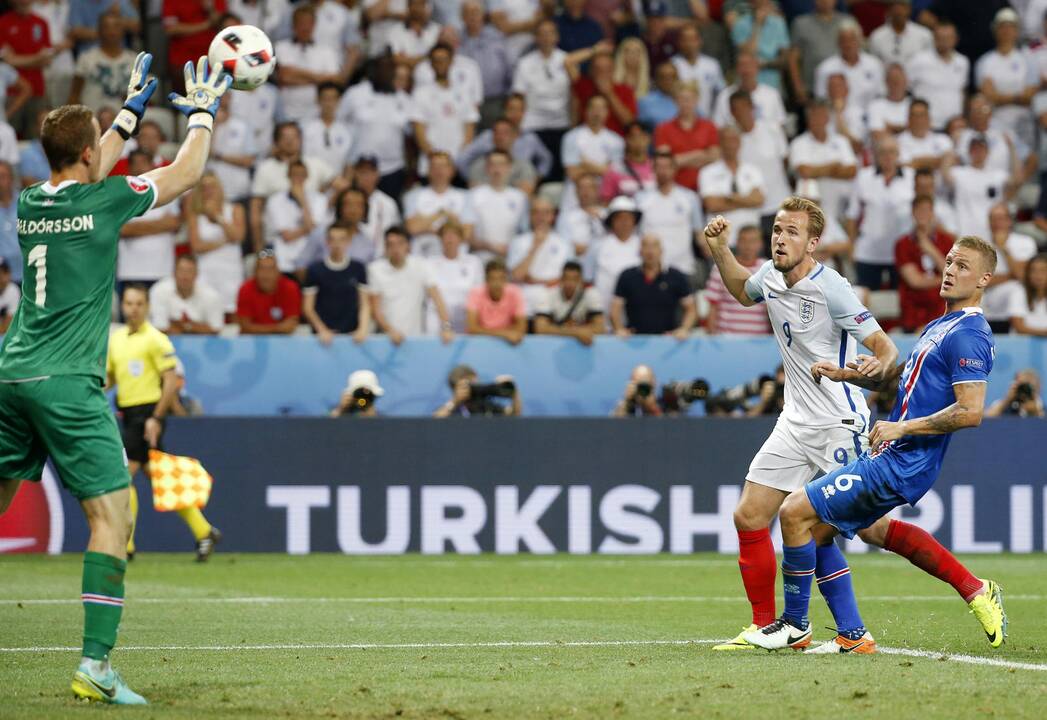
245	53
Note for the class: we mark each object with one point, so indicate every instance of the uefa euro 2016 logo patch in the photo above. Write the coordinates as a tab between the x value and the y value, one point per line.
806	311
972	363
862	317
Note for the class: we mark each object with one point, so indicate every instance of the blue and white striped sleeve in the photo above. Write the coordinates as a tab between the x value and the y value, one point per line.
844	306
754	285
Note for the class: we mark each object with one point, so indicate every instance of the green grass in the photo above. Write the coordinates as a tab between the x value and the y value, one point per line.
558	681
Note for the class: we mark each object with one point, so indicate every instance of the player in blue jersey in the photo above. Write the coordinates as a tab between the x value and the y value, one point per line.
941	389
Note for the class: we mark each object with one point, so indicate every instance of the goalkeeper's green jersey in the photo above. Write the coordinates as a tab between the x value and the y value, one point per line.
68	236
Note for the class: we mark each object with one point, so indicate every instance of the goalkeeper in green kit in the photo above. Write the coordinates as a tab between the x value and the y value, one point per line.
53	359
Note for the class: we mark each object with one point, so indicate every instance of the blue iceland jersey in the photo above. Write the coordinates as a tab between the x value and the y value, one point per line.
956	348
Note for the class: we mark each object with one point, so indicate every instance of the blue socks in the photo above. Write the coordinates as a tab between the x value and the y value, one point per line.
797	574
834	582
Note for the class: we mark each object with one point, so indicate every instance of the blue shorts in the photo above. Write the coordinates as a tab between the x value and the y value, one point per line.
855	496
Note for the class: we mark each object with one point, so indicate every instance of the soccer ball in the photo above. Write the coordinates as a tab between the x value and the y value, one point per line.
244	52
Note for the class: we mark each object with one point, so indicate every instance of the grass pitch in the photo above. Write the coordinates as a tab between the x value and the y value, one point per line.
510	637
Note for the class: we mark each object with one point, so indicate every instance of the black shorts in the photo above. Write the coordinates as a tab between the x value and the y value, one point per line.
132	428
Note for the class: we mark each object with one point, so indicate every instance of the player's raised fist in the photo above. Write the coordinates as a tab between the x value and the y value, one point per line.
717	231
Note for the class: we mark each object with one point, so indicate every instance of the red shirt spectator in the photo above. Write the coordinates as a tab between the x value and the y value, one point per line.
684	135
584	88
27	37
920	303
190	26
268	303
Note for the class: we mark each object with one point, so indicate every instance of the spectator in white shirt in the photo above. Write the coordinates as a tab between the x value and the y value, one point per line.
940	76
977	187
233	153
1013	253
295	219
536	258
216	230
619	249
303	66
339	23
520	21
879	213
181	304
444	116
102	72
411	40
583	225
10	296
325	136
497	210
383	17
382	211
147	243
464	73
981	121
918	146
455	271
766	101
702	70
1029	307
399	284
730	187
899	39
427	208
846	119
673	214
570	309
763	145
823	159
590	147
503	135
890	114
864	72
1008	78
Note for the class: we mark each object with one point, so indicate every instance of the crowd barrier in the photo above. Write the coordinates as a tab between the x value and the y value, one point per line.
505	485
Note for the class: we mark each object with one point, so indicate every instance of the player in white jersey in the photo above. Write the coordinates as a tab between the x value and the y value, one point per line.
816	317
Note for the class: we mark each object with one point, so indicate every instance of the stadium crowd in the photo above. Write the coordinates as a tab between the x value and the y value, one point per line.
515	166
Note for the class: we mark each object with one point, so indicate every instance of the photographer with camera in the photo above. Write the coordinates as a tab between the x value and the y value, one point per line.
1023	398
763	396
639	399
360	394
470	398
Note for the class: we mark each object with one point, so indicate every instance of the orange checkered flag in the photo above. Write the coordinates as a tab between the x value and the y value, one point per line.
178	482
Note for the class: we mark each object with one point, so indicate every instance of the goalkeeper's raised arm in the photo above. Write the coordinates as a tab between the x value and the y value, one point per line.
140	88
733	274
204	87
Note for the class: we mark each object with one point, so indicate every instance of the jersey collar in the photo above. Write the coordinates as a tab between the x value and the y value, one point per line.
50	189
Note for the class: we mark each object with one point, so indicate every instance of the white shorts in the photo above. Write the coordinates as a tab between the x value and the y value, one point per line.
794	454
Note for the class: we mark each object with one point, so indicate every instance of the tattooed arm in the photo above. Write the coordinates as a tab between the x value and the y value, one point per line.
966	412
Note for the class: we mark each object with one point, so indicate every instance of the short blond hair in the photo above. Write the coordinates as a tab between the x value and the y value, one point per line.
984	249
815	216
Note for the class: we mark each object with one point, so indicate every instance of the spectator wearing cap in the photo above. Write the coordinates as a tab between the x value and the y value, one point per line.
899	39
10	251
427	208
692	140
651	299
268	303
102	72
325	136
763	145
878	214
383	17
216	229
378	115
485	45
304	65
845	118
620	247
761	30
823	162
658	105
592	147
940	76
444	117
920	259
976	187
183	305
732	188
497	308
1013	253
569	308
634	173
671	213
295	219
1008	78
918	146
524	146
10	296
864	72
699	70
520	22
536	258
455	272
189	27
577	29
233	153
497	210
766	100
464	74
359	399
890	114
813	40
1002	142
583	224
400	283
382	212
726	315
599	82
411	40
334	294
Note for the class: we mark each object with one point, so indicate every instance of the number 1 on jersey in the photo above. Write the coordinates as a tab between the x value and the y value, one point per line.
38	259
788	333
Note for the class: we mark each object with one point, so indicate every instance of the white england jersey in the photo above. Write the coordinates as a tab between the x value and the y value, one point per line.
817	319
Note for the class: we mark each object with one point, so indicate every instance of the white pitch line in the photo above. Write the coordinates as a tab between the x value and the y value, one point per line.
906	652
464	600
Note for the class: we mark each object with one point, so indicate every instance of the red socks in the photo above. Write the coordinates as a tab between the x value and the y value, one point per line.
921	549
759	570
